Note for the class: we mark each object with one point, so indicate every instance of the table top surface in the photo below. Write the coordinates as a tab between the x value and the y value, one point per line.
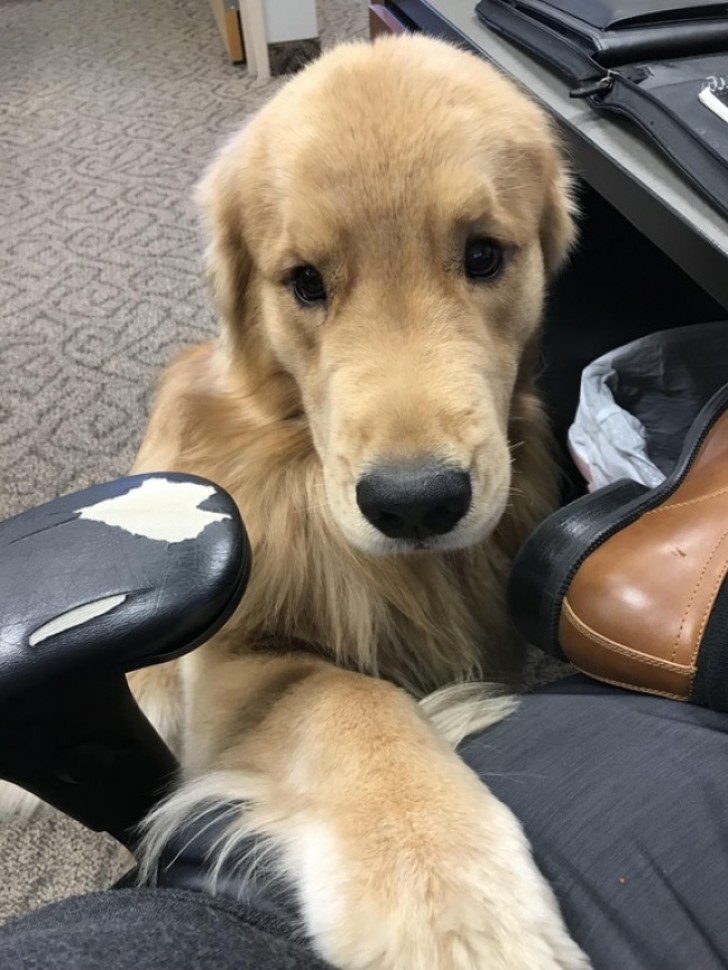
691	231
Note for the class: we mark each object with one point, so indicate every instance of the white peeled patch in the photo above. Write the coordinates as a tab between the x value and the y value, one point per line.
158	509
75	617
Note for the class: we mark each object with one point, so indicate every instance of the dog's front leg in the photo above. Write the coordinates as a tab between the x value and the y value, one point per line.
400	858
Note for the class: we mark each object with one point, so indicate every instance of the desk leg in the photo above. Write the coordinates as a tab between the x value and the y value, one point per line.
254	36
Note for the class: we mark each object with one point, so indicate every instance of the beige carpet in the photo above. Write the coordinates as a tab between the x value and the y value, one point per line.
108	112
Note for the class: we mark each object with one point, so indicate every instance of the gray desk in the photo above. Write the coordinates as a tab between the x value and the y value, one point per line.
610	156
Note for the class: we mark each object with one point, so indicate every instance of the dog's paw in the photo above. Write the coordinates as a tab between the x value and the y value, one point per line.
447	885
16	802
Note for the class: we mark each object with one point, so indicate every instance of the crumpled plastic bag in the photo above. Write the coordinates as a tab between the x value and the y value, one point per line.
638	402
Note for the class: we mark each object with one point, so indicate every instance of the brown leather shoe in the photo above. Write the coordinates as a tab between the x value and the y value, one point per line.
629	583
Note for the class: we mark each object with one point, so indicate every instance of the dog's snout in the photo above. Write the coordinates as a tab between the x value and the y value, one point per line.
407	502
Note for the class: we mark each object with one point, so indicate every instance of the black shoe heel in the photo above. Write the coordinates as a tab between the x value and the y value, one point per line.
548	560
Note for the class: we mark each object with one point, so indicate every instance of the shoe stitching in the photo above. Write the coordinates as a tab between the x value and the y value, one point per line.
619	683
693	595
682	505
620	648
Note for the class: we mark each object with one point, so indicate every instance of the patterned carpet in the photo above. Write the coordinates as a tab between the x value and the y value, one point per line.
108	113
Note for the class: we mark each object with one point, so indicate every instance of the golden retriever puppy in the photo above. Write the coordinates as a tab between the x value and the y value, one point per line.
380	238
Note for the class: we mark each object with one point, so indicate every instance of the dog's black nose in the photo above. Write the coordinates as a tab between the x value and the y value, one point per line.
406	502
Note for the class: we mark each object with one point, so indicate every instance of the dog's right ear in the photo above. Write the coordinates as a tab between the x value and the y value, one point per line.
227	257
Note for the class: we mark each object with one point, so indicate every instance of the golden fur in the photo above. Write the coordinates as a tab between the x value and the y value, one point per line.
374	165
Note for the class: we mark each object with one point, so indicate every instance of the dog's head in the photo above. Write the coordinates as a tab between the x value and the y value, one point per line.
382	230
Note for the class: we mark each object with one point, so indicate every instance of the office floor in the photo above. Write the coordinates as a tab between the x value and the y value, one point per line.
108	113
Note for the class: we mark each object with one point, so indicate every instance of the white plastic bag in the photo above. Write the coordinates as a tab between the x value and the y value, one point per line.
638	402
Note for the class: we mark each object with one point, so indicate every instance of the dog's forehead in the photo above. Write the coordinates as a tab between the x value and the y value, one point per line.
392	143
400	182
415	123
379	132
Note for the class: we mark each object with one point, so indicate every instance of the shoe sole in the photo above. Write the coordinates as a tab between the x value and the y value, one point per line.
550	558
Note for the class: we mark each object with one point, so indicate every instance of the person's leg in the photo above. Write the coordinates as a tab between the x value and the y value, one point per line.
151	929
625	800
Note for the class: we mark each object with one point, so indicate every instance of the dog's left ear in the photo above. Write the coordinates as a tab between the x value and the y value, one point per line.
558	226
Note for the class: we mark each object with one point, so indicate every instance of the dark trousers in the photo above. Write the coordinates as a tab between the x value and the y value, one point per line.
624	798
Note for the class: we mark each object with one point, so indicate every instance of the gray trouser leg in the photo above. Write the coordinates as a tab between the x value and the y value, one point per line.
150	929
624	798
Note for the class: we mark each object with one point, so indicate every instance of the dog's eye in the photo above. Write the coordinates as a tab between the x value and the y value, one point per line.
483	259
308	285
